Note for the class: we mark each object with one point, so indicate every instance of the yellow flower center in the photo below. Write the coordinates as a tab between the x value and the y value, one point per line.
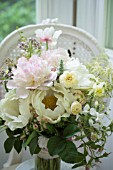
69	78
50	102
99	92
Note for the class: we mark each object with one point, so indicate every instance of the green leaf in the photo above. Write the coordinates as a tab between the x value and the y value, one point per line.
70	130
9	132
70	153
8	144
93	145
56	144
32	135
33	146
111	126
17	131
50	128
18	145
104	155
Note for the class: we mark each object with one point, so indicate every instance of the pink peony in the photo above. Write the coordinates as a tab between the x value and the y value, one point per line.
53	57
31	74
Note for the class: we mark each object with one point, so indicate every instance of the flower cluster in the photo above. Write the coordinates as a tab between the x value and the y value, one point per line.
53	99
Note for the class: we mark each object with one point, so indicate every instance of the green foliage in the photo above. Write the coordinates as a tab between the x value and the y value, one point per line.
30	138
111	126
56	144
70	130
70	154
65	149
33	146
61	68
18	145
9	143
15	13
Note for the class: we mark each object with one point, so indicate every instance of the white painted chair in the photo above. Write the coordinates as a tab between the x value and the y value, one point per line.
81	44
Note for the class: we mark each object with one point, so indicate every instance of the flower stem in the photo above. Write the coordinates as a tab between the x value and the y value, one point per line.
87	168
47	45
47	164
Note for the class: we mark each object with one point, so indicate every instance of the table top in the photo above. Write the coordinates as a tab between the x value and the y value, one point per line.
13	167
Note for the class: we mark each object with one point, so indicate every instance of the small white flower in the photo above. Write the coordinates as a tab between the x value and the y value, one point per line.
99	89
96	104
69	79
48	35
100	117
93	112
86	108
95	125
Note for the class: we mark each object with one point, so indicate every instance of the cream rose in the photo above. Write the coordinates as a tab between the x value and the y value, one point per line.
76	108
69	79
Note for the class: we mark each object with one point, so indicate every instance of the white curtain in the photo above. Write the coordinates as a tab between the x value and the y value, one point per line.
90	17
61	9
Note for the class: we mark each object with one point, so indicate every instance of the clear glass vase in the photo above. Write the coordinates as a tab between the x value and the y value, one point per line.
43	161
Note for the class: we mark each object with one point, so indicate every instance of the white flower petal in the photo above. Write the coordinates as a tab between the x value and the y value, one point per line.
22	93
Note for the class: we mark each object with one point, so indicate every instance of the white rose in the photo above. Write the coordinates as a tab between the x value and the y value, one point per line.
14	111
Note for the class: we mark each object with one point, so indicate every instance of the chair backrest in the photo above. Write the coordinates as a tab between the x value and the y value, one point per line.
81	44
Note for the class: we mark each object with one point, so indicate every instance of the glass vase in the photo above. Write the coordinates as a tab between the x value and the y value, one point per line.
43	161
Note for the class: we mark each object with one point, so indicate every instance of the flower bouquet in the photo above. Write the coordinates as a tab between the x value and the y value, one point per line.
56	105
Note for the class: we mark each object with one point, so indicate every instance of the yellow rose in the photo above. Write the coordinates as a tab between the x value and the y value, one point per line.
76	108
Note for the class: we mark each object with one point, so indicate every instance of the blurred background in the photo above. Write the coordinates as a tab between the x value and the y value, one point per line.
94	16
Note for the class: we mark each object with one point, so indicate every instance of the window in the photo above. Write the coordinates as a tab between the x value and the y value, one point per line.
16	13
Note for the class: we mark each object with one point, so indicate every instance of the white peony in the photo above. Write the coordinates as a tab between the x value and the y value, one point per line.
15	112
51	105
